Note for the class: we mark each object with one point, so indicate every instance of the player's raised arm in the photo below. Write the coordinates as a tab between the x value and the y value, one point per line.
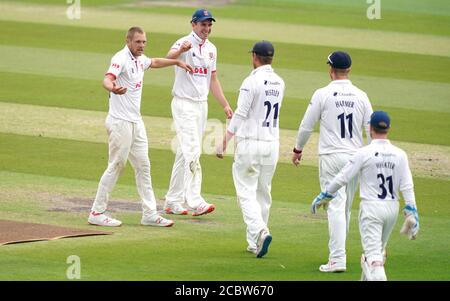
178	49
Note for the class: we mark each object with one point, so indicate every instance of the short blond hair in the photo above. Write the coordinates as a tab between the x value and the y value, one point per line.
132	31
342	72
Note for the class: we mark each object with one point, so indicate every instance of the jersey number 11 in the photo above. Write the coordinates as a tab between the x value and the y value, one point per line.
342	118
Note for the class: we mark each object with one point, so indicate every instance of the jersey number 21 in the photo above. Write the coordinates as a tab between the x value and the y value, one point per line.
268	105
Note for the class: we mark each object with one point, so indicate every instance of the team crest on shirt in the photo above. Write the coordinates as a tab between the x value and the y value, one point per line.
211	55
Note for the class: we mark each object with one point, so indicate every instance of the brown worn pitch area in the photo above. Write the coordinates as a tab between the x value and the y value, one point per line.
18	232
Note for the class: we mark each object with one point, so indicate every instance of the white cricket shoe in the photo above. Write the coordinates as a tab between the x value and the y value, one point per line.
175	208
262	245
101	219
333	267
156	220
204	208
251	250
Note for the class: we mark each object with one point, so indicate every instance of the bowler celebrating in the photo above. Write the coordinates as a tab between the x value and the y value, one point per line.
126	130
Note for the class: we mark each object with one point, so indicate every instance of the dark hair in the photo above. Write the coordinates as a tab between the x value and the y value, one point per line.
265	60
132	31
380	131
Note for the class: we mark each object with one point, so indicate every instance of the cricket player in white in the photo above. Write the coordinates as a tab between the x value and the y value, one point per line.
384	170
255	124
343	111
190	112
126	130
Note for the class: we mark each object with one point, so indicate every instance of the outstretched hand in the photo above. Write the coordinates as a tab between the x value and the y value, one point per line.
118	89
185	66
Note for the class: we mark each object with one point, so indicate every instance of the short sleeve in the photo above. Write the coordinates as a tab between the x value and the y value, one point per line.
214	60
116	66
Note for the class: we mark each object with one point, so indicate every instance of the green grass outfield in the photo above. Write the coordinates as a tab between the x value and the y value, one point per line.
50	65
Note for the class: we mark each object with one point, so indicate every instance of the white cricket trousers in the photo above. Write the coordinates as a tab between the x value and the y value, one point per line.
186	180
127	141
339	208
376	222
253	169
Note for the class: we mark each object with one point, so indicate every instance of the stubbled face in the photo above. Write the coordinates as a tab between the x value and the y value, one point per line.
137	44
202	29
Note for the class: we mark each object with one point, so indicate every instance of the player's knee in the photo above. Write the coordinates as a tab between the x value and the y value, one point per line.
117	166
142	166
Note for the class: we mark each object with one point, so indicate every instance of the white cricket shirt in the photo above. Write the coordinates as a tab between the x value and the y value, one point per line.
343	110
202	57
258	106
384	170
129	73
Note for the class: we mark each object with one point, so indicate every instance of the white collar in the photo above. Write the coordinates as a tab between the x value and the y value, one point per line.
263	68
128	51
341	81
380	141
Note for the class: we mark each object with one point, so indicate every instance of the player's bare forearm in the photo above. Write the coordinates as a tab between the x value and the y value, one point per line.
216	90
110	85
162	62
174	54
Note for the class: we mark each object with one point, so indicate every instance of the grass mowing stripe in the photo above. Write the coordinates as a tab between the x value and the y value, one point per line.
425	17
300	84
86	161
426	160
289	56
291	33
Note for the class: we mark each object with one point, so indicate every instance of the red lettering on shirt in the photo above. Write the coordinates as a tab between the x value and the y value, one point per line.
201	70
